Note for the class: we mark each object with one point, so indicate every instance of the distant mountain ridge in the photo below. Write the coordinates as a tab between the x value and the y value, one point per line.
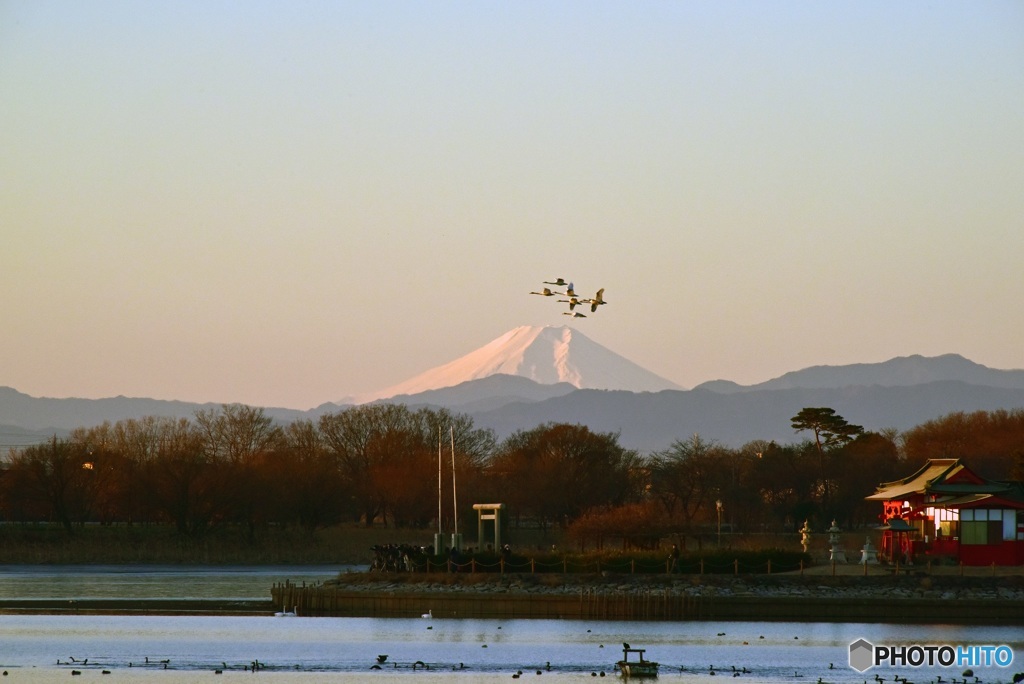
488	393
901	371
46	413
651	422
900	393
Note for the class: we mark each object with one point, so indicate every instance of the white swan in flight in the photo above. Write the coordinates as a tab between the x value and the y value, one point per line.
546	292
597	301
574	315
558	281
572	302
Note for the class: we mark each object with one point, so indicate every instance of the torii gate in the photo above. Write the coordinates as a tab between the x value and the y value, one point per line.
488	512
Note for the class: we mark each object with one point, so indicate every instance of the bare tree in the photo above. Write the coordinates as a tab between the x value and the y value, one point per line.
688	477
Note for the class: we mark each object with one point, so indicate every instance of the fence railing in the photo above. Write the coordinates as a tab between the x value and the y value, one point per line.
630	566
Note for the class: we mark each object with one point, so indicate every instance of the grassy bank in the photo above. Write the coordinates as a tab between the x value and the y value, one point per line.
534	550
351	544
875	598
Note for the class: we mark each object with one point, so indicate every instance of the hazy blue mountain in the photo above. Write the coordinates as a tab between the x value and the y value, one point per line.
487	393
49	414
14	436
652	421
900	393
900	371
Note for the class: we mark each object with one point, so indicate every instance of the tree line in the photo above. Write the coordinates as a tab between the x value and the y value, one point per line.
389	464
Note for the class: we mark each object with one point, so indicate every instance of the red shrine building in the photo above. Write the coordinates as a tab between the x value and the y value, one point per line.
946	510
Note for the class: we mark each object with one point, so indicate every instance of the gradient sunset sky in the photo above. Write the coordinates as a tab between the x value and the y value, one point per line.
284	203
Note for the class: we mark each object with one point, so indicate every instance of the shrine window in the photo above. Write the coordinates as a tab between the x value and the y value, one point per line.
981	532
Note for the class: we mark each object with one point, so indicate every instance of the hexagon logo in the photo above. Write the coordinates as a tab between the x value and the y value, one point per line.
861	655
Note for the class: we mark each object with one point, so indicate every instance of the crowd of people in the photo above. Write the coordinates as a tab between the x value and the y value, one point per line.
397	557
409	557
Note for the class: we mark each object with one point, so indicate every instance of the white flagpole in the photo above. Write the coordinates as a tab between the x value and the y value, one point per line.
455	505
439	480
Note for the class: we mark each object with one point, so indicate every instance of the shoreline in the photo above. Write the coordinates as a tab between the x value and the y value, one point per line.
107	606
806	598
820	594
586	606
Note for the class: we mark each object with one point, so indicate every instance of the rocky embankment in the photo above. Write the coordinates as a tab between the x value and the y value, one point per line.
944	588
849	598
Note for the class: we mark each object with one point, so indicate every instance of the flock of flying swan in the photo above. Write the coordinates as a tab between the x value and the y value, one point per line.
573	300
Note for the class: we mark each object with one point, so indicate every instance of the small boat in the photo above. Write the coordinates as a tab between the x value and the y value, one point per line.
636	668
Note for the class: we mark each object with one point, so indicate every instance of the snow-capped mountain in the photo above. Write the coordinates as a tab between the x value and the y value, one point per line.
544	354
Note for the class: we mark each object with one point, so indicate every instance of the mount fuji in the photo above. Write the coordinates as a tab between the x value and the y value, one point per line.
547	355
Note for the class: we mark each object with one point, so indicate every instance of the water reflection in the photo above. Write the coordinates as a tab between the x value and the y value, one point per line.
161	581
311	647
150	648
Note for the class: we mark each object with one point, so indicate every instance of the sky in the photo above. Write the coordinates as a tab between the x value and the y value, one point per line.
287	203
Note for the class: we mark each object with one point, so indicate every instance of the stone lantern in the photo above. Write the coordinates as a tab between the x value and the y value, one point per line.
837	555
868	555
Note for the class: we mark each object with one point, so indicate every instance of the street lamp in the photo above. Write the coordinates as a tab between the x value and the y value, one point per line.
718	507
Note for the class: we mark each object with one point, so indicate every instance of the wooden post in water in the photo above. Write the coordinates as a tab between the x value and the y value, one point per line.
769	566
801	567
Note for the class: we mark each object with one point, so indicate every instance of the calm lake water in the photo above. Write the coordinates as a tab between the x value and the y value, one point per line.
158	581
41	648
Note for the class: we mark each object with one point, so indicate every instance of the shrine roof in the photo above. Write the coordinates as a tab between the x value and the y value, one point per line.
968	488
919	482
958	501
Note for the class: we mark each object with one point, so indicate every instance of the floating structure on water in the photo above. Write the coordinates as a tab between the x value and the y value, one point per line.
636	668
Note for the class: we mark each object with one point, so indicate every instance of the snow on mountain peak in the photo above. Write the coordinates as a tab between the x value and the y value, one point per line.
544	354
